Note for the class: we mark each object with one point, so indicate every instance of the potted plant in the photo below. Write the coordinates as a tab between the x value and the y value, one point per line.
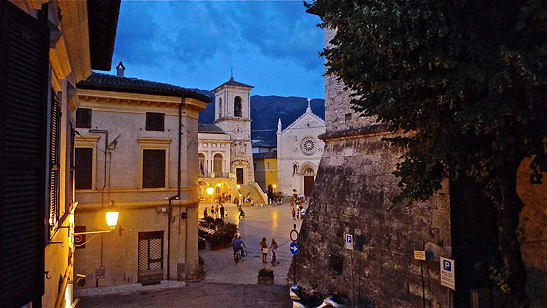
228	230
216	241
198	272
265	276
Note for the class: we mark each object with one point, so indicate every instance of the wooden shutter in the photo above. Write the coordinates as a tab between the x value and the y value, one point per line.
54	167
84	168
24	70
153	168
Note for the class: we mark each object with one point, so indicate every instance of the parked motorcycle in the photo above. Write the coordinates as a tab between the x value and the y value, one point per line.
303	298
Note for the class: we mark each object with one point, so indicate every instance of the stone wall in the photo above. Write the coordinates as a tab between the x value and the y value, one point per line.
352	195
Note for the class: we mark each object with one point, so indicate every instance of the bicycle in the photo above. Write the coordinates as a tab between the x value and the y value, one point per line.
241	254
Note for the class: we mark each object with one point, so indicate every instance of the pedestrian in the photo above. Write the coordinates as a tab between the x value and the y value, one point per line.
264	247
221	211
293	213
298	214
226	214
273	247
205	212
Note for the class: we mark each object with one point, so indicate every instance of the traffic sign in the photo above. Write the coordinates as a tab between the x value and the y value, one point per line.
349	241
294	248
419	255
448	278
295	235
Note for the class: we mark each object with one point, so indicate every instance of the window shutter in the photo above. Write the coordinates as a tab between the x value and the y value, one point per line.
153	168
24	69
84	168
54	178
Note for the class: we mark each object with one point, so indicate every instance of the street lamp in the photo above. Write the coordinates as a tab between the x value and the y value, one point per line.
111	220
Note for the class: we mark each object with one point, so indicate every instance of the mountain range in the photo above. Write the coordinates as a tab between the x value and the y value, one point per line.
266	111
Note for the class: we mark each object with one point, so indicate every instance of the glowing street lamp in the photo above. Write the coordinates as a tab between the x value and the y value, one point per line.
111	220
210	191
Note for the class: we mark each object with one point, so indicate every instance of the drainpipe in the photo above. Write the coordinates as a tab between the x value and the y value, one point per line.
177	197
105	132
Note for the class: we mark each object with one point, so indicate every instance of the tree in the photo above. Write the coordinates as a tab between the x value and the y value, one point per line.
465	82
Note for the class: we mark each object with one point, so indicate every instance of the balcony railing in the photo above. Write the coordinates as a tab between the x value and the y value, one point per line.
215	175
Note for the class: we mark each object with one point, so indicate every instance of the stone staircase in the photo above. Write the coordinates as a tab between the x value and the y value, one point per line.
254	192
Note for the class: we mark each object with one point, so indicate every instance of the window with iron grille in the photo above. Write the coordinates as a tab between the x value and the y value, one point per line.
83	118
54	178
154	121
336	264
153	168
84	168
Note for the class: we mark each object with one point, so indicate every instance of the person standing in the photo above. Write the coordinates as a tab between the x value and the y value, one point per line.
273	247
205	213
264	247
222	211
293	214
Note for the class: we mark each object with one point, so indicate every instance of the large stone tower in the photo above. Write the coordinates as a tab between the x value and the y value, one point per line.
233	116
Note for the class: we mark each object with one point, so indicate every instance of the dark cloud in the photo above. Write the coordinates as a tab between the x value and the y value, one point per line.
137	35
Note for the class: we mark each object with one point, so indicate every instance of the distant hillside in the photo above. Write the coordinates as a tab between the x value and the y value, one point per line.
265	112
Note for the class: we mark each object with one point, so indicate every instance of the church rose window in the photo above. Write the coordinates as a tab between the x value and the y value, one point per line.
308	146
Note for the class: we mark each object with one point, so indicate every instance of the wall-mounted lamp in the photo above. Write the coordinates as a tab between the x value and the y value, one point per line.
112	215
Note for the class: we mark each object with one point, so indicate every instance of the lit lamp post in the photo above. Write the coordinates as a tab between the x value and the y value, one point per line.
219	194
210	191
238	196
111	220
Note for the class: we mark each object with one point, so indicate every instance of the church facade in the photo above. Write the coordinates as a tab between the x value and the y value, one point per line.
299	152
225	147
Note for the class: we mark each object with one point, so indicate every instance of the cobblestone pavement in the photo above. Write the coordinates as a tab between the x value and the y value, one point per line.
200	294
227	284
259	222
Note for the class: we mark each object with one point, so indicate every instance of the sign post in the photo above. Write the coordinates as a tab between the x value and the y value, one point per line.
448	277
349	241
294	248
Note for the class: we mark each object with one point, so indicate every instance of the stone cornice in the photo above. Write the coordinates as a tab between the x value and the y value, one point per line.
373	129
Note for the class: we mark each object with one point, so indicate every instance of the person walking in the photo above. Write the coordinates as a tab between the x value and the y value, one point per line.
222	211
273	247
264	247
293	214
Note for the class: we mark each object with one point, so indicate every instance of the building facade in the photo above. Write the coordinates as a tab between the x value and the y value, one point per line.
299	152
136	150
46	47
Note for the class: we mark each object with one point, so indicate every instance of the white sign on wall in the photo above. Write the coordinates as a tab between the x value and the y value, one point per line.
349	241
448	277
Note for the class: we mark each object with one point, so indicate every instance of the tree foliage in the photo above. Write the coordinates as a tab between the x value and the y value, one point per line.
465	80
467	77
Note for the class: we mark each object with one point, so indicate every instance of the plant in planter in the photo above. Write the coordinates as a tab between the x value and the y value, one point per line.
229	230
216	241
198	272
265	276
219	223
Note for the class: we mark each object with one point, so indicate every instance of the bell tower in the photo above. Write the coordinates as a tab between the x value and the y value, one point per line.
233	116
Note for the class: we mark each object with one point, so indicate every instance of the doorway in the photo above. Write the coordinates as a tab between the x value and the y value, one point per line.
239	175
308	185
150	257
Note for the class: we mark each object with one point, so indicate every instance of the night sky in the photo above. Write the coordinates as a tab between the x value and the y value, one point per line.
272	45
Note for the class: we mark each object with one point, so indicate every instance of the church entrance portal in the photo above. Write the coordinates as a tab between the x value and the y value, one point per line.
308	185
239	175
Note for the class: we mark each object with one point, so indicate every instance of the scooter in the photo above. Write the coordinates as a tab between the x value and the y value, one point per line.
302	298
336	301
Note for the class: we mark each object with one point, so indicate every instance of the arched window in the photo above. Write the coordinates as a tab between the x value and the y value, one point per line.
220	108
201	160
217	164
237	106
308	172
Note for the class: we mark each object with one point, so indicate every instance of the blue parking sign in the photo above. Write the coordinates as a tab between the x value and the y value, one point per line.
447	265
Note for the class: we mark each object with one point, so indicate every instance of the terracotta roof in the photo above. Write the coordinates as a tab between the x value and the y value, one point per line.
209	128
98	81
232	82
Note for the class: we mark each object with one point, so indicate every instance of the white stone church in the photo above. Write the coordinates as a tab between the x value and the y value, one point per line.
299	152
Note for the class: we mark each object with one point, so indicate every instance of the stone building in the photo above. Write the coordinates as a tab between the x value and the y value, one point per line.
225	147
137	149
46	48
299	151
352	196
265	166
